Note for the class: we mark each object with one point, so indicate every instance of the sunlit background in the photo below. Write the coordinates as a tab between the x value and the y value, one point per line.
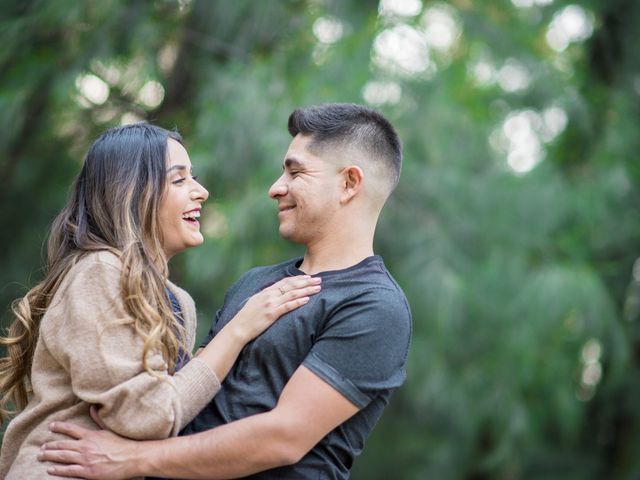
514	230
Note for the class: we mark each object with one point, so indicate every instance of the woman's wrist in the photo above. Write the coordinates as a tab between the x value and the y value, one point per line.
235	333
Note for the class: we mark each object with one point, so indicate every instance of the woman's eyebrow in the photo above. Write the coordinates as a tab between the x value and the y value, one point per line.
177	167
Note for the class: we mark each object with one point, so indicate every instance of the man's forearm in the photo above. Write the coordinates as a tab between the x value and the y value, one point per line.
279	437
246	446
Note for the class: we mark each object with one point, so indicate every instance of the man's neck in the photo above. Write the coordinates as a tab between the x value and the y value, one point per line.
335	255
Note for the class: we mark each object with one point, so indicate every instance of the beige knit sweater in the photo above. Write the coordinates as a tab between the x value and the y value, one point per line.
84	356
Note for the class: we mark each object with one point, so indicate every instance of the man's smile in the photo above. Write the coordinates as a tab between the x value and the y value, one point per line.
285	208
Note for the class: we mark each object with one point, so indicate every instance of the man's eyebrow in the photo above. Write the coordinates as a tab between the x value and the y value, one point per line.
292	162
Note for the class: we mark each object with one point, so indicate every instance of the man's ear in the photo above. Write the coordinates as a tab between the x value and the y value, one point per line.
353	180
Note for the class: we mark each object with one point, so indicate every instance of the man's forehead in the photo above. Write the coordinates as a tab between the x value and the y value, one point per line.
299	154
299	145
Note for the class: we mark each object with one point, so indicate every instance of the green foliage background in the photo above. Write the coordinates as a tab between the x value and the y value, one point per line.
525	358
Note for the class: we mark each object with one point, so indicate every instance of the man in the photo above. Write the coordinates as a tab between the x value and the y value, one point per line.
304	396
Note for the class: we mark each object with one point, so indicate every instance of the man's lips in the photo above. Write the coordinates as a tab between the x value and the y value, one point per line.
285	208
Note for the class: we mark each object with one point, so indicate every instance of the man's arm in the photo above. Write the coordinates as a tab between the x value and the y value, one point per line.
308	409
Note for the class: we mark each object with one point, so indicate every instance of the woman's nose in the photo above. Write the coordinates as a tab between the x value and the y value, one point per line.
200	193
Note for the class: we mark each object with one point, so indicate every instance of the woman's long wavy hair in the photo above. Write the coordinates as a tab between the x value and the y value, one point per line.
113	205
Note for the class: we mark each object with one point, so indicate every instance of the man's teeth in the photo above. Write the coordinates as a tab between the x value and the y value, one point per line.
191	215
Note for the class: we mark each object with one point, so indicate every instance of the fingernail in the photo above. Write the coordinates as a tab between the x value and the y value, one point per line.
316	288
317	279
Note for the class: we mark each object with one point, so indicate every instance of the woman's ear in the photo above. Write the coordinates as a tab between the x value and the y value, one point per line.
352	178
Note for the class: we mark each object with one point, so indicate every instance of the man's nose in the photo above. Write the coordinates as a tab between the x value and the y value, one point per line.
278	189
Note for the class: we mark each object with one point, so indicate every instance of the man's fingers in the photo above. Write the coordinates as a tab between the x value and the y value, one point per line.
60	456
72	445
75	471
68	429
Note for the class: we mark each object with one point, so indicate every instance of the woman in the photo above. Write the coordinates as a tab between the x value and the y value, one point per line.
106	327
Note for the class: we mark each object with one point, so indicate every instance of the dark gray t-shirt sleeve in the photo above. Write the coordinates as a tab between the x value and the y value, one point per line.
363	346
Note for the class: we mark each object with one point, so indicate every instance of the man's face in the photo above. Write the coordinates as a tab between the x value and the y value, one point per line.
307	193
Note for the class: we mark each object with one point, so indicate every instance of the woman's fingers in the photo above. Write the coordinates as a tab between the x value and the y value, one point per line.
301	292
300	281
292	286
291	305
93	411
266	306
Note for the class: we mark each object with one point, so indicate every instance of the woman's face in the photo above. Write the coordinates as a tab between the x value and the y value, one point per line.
181	203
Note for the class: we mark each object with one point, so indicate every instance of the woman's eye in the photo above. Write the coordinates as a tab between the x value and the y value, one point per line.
195	177
179	181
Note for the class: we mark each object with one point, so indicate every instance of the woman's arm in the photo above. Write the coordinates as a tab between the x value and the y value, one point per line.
91	336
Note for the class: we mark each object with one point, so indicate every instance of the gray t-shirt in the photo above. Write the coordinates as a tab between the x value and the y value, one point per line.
354	335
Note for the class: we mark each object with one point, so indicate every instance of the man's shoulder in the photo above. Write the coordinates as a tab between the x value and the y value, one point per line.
371	276
392	283
377	293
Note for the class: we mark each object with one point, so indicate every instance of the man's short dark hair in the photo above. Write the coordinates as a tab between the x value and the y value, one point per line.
346	124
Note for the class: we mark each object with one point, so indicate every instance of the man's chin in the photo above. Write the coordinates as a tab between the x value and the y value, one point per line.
287	234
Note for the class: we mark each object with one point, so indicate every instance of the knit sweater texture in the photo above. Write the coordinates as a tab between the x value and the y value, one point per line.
86	355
